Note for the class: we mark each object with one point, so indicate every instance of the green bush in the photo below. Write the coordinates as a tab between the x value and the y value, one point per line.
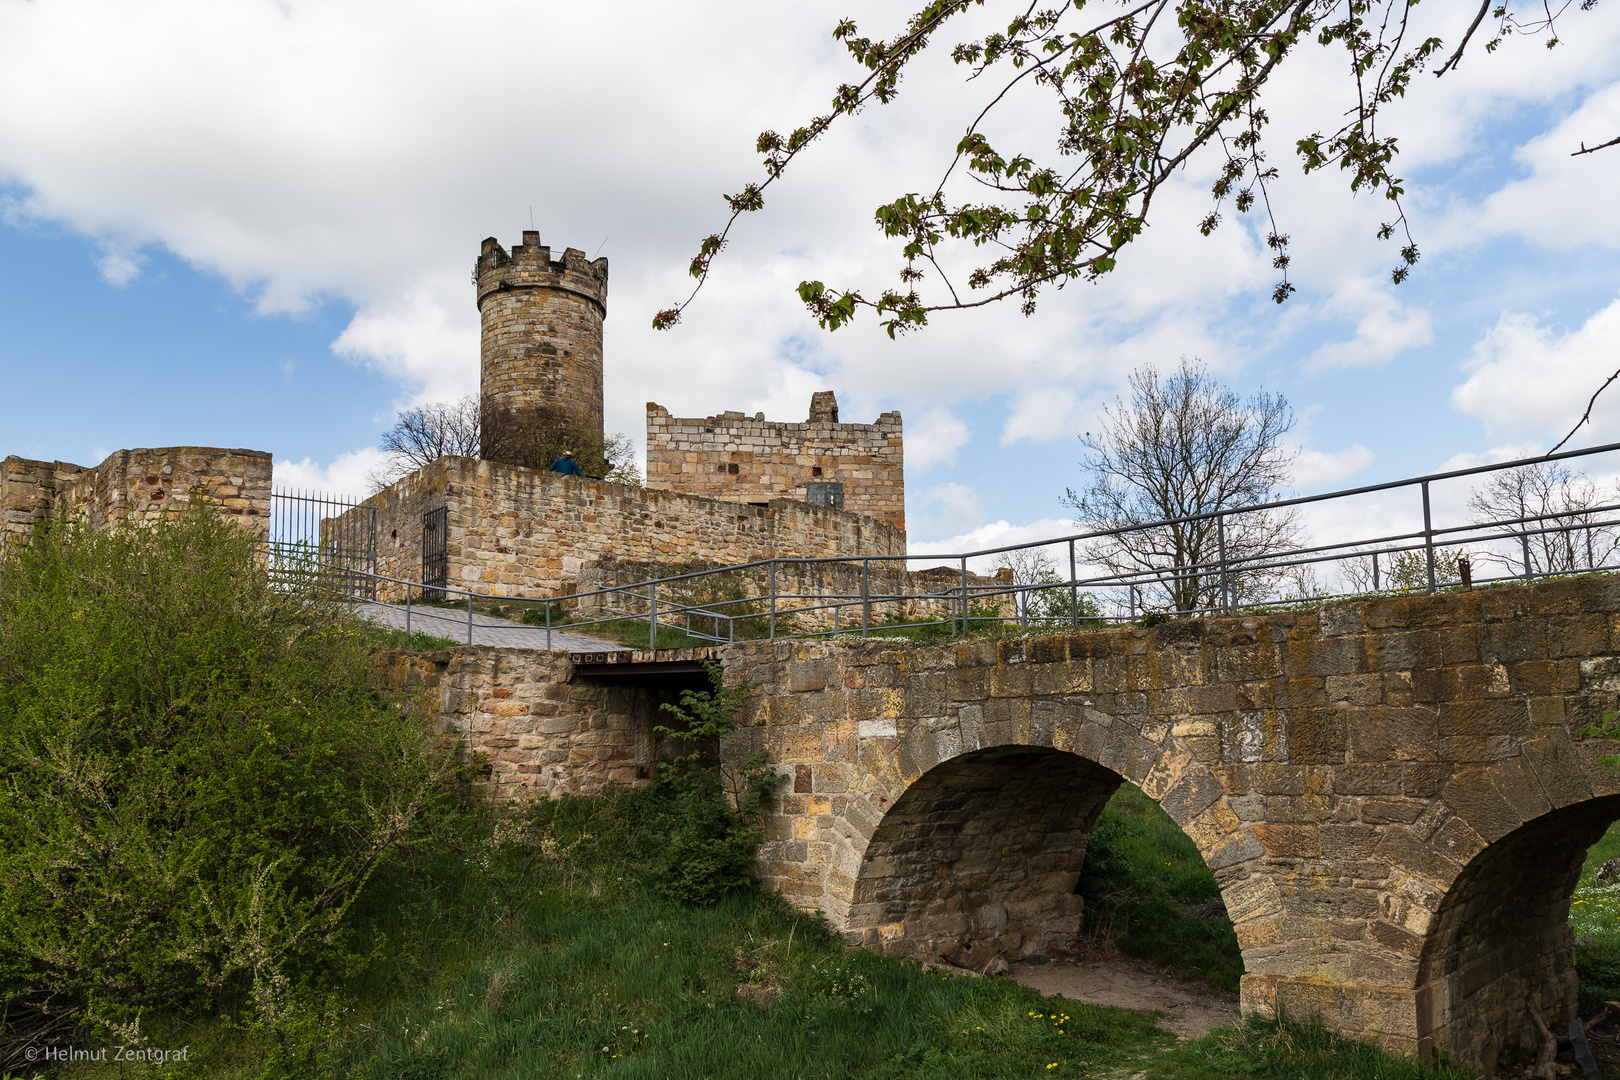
199	777
711	809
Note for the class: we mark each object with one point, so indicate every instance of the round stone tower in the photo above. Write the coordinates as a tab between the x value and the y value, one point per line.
542	338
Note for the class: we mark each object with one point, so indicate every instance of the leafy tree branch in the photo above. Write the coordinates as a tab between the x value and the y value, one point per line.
1140	87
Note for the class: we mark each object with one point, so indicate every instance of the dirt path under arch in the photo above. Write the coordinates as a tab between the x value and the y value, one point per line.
1190	1006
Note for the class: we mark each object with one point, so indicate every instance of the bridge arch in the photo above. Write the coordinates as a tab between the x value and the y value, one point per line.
1500	941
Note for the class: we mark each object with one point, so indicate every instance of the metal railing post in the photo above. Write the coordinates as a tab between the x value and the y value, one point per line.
1132	591
1375	571
1220	544
548	624
469	616
407	613
1524	544
1428	535
1074	592
773	600
652	620
866	595
964	597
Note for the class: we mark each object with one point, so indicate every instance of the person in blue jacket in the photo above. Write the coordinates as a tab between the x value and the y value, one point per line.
566	465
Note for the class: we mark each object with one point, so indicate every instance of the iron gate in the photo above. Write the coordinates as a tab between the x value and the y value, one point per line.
435	552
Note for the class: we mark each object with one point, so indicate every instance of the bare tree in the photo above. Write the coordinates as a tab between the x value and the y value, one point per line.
1047	608
1184	446
1575	534
535	437
423	435
1402	571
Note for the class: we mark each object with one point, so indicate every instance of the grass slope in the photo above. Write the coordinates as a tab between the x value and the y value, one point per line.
1594	917
538	946
1142	873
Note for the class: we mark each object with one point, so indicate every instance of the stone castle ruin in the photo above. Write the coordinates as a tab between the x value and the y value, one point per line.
1369	782
720	490
135	486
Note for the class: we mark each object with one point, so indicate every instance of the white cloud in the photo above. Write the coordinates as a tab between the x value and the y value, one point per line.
995	535
419	341
119	263
1042	415
1566	201
344	475
357	150
1529	382
1385	327
1317	469
934	438
944	508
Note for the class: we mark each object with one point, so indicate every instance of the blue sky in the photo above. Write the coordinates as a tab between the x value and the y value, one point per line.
249	224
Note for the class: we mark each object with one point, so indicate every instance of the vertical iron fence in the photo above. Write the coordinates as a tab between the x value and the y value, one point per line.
333	535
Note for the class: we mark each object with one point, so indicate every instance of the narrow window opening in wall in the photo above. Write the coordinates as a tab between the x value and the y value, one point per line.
393	534
732	468
825	493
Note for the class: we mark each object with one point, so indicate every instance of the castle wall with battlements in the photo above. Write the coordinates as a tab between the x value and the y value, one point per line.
135	486
737	458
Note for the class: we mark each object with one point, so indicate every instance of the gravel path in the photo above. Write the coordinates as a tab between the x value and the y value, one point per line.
1190	1006
487	629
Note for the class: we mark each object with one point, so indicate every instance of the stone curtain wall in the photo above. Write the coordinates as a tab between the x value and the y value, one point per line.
752	460
535	731
542	329
515	531
1393	795
28	493
139	485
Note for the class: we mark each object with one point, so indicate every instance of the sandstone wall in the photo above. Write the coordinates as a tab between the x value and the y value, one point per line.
139	485
515	531
541	342
752	460
1395	796
540	732
28	493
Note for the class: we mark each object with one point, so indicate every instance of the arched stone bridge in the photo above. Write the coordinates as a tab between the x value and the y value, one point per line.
1394	795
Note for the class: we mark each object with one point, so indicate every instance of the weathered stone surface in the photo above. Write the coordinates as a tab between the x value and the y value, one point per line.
132	486
744	459
541	340
1371	833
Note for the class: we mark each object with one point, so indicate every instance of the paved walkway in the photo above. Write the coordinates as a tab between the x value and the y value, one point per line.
486	629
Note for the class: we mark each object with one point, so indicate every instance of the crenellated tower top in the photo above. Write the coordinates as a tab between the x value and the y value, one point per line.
541	342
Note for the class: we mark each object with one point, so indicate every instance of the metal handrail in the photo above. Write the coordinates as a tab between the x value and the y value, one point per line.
660	596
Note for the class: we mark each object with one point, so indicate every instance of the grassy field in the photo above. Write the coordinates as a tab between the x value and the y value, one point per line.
541	945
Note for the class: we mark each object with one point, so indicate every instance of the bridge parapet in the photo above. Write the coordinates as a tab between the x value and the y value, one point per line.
1393	794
